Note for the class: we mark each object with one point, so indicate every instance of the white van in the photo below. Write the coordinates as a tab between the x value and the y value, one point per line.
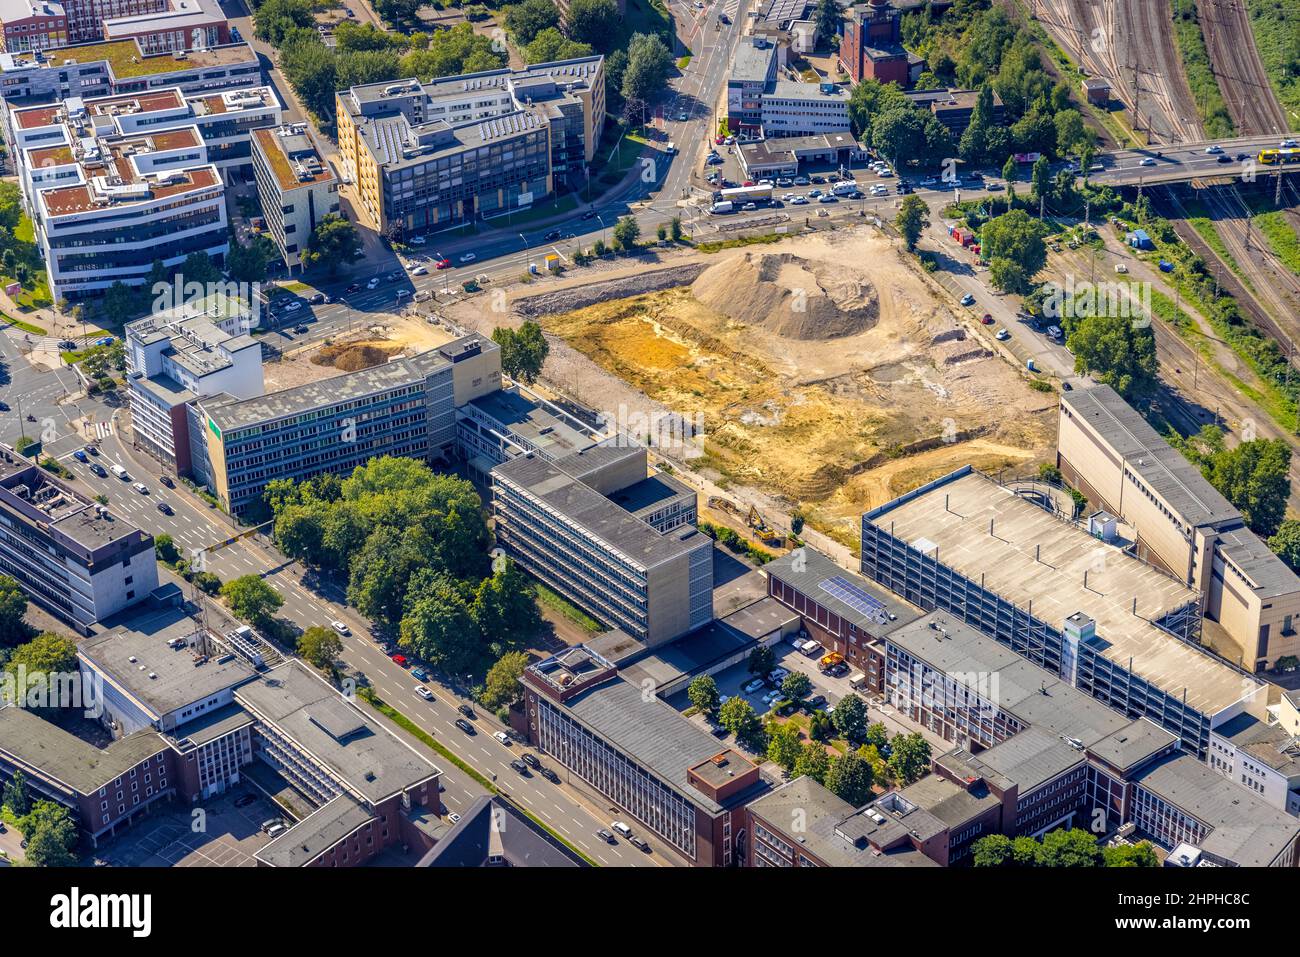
119	472
622	828
723	207
857	681
811	648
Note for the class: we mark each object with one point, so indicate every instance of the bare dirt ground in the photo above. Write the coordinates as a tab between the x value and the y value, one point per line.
381	341
825	372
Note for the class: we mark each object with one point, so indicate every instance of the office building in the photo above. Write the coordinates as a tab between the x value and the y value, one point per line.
122	66
105	205
1107	623
32	25
790	108
297	189
871	48
1262	757
429	156
75	558
515	421
1181	524
954	108
199	349
753	69
170	25
620	544
638	752
161	25
406	407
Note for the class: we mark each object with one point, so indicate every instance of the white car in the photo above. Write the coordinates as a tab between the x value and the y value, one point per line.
1147	161
341	628
502	737
621	828
799	201
749	687
424	693
468	258
1213	149
292	306
140	487
419	271
1121	268
1002	335
417	240
778	674
374	282
1287	145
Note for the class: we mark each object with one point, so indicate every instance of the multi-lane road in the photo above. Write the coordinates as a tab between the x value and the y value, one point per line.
1186	162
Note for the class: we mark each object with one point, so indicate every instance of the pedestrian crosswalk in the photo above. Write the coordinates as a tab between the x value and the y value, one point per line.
103	429
730	7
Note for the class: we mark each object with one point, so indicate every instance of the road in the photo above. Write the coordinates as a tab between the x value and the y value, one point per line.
1185	162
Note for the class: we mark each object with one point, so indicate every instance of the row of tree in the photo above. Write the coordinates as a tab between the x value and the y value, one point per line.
48	828
1060	848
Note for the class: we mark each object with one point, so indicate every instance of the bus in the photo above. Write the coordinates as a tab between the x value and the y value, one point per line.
1272	157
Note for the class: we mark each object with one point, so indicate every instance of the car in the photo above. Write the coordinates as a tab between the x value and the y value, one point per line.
828	199
987	319
468	258
549	775
682	117
453	818
552	236
300	329
442	264
723	18
530	759
465	726
341	628
1066	387
395	275
80	456
424	692
467	711
165	508
271	824
749	687
400	660
715	160
419	271
621	828
778	675
318	299
885	173
373	282
995	187
799	201
1121	268
1211	150
605	836
817	179
968	300
814	193
747	183
1224	158
589	214
502	737
749	207
98	469
639	844
419	674
293	305
1288	144
929	181
245	799
815	702
519	767
1002	335
801	181
354	287
784	181
1242	157
140	487
1147	161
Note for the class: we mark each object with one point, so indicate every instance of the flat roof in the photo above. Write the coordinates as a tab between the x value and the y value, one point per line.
1026	554
583	505
858	600
292	156
127	62
532	422
77	764
162	679
753	63
1269	744
363	754
315	834
1268	575
649	731
1166	470
1246	830
62	508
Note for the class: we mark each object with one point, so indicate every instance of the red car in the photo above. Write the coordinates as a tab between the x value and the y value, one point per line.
443	264
719	141
987	319
401	660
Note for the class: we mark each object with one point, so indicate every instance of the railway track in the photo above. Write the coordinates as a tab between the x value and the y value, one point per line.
1242	78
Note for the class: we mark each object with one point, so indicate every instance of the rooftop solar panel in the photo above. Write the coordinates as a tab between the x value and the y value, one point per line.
855	597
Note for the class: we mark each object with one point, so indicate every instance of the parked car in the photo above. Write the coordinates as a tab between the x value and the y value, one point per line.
400	660
987	319
549	775
245	799
1002	335
530	759
1121	268
749	687
502	737
467	711
419	271
419	674
968	300
621	828
465	726
639	844
424	693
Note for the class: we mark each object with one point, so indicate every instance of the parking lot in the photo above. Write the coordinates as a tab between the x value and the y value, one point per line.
229	835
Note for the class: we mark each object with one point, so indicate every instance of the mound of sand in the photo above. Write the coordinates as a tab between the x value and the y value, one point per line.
789	296
355	356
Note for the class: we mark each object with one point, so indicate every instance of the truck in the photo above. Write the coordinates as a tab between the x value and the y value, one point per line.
722	207
748	194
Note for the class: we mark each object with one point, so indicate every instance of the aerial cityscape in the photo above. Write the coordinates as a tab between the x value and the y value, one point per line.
649	433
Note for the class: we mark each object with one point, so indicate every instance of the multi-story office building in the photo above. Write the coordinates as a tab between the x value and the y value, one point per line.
510	422
790	108
171	25
753	70
1107	623
199	349
32	25
429	156
406	407
1262	757
954	108
122	66
297	189
620	544
72	556
106	205
1182	523
640	753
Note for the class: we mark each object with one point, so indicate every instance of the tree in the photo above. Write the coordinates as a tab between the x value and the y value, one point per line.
46	654
247	262
523	350
876	736
703	695
1130	855
165	549
1016	239
333	242
1041	179
909	757
761	660
913	217
13	606
502	688
784	744
1254	478
16	798
813	761
438	626
1073	848
675	230
626	233
850	778
826	17
51	835
527	19
1071	133
1285	543
738	717
899	132
381	572
648	65
119	302
1119	350
320	646
505	609
451	53
398	11
993	850
551	45
199	267
275	19
252	599
796	686
595	22
850	717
